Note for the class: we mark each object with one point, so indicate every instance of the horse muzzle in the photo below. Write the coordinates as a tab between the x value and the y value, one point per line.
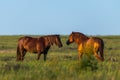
67	42
102	59
60	46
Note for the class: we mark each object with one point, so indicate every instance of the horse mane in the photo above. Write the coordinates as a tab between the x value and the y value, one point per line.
56	35
80	35
51	38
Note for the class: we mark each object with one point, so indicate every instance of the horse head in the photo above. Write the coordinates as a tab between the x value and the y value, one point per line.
76	37
57	41
70	39
53	39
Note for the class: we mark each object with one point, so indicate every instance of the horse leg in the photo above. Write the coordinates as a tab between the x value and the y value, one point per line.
45	52
18	53
23	55
80	51
18	56
96	50
79	55
97	56
45	55
101	54
38	57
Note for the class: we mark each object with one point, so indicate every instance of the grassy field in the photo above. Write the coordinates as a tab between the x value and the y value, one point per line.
61	64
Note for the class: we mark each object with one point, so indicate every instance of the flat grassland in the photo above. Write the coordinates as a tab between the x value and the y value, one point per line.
62	63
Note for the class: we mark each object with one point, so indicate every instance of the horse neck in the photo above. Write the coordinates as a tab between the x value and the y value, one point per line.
48	41
81	39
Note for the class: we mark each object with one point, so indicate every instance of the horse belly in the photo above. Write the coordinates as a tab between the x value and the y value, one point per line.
31	48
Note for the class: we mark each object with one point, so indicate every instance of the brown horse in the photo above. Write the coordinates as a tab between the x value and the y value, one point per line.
87	45
36	45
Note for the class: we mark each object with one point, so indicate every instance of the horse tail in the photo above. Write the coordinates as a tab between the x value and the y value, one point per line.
18	53
101	49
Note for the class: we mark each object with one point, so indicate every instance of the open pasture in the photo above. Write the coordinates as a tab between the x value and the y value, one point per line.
62	63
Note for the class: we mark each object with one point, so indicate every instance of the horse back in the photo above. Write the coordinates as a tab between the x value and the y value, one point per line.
95	42
31	44
26	40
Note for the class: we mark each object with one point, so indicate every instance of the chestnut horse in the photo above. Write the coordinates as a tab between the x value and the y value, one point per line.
36	45
87	45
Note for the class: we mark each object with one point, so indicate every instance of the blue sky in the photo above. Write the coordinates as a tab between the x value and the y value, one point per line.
36	17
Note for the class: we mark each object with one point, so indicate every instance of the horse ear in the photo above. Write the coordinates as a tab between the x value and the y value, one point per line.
58	35
73	32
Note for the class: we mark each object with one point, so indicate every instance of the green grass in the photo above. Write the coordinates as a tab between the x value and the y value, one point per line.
62	63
